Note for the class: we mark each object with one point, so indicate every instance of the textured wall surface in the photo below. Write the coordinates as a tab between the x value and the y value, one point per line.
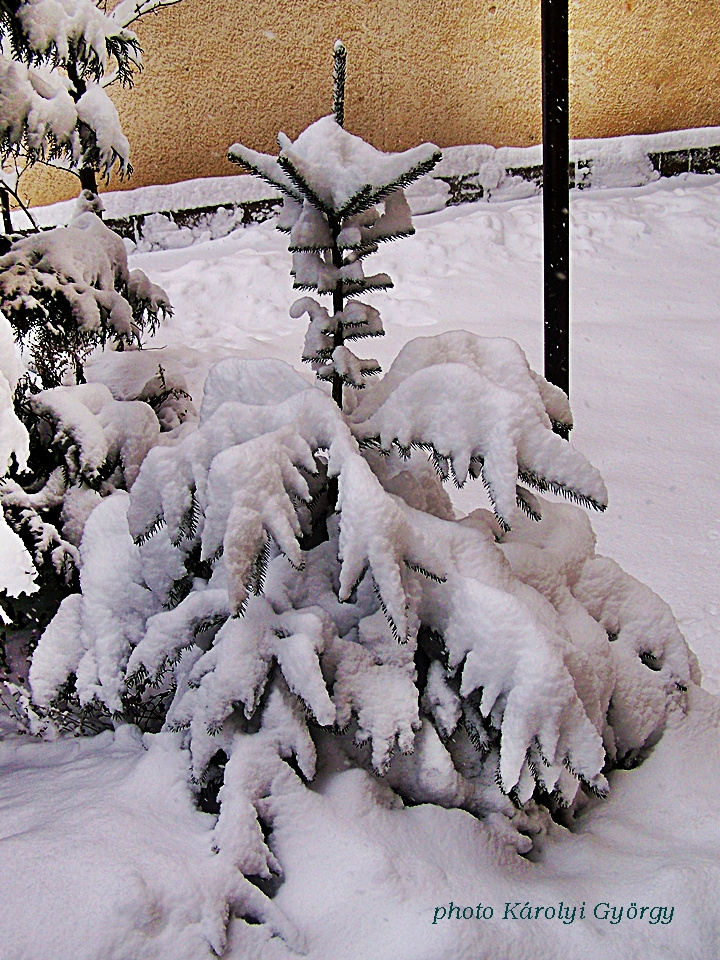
451	71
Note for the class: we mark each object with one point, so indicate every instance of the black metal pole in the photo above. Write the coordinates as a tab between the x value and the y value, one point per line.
5	202
556	191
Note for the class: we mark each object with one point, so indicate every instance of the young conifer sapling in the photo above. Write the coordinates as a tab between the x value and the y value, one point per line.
292	572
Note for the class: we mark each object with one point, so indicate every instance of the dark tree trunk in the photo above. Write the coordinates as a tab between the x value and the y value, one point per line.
338	303
88	178
338	339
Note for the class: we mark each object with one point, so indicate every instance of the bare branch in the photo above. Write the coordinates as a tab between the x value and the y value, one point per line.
13	193
126	13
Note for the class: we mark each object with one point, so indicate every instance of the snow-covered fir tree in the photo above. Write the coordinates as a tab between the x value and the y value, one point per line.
292	574
68	291
57	59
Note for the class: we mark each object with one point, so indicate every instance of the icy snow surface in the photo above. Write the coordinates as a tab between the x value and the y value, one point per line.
103	856
103	853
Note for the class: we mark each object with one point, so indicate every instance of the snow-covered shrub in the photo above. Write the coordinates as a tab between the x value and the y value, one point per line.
17	572
65	293
57	57
103	442
85	444
68	290
293	574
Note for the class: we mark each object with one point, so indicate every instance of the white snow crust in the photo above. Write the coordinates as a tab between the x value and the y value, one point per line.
126	858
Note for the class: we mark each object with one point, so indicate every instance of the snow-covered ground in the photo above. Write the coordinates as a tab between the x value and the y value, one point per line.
90	866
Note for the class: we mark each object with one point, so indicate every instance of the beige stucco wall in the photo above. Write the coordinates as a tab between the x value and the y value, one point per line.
451	71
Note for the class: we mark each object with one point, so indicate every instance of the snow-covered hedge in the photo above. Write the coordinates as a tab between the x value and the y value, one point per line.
168	216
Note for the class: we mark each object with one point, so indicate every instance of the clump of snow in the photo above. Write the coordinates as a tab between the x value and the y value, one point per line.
96	110
93	445
160	231
53	28
95	429
427	195
480	409
82	261
35	104
92	633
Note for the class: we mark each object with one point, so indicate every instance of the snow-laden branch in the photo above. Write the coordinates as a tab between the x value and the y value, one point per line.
476	405
74	31
337	172
57	58
125	14
67	288
41	120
